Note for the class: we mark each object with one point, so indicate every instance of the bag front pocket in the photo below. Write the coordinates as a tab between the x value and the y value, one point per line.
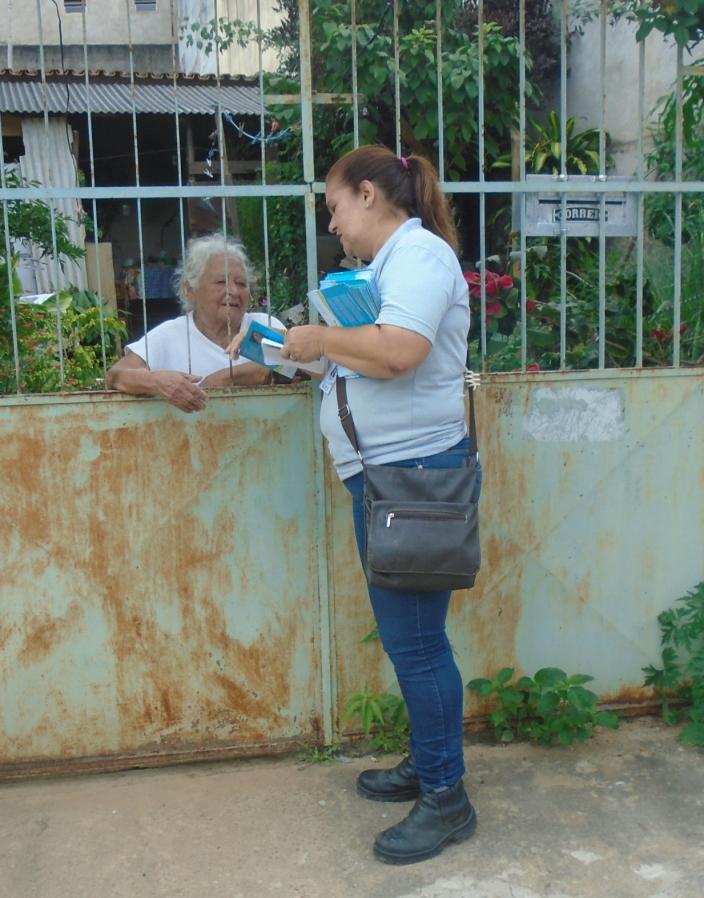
422	545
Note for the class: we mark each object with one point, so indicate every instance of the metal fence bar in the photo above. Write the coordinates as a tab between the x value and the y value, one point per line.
355	93
522	175
262	144
8	262
141	286
640	239
602	177
564	39
677	291
179	175
460	187
482	195
52	211
397	82
439	76
91	157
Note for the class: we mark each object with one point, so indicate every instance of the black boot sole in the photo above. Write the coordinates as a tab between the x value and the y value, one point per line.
460	834
410	793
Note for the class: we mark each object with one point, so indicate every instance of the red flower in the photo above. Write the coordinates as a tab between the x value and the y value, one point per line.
534	366
493	308
531	304
493	283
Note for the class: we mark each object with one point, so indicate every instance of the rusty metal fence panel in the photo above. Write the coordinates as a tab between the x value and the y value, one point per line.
160	580
176	588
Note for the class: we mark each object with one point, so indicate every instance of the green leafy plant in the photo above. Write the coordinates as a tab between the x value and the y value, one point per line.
87	327
682	19
32	220
318	754
679	683
544	148
547	708
384	719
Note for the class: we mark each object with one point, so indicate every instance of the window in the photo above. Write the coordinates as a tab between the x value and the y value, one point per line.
73	5
145	5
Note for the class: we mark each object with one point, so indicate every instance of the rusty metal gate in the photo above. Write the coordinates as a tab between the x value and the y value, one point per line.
185	587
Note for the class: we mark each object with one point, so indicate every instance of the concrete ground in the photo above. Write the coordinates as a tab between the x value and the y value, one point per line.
619	817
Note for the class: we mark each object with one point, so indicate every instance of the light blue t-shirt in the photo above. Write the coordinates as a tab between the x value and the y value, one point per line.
422	290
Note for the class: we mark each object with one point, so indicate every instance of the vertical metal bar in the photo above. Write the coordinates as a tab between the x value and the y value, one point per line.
327	656
262	143
441	114
355	94
602	177
52	211
677	292
522	175
8	260
640	242
142	281
177	125
482	195
397	82
564	37
91	154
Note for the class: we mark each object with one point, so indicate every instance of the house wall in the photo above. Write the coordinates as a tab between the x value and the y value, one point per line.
107	36
621	119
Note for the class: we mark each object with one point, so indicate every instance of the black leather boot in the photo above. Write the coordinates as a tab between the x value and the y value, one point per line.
437	819
398	784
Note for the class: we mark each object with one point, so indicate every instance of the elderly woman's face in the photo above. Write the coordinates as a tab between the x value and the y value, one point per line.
222	291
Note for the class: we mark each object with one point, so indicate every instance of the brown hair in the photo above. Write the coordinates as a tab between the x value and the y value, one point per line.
410	183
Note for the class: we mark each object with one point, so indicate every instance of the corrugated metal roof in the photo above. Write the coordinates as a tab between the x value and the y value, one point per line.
24	93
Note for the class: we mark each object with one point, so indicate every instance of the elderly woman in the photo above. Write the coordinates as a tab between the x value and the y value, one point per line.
179	359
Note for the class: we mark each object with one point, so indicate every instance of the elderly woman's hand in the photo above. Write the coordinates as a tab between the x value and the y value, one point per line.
179	389
304	343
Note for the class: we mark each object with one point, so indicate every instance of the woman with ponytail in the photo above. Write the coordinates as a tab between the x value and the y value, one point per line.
409	410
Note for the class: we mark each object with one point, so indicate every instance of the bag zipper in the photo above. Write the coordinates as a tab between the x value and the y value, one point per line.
446	515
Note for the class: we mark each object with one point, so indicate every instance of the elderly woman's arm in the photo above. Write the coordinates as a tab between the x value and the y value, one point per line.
131	375
245	375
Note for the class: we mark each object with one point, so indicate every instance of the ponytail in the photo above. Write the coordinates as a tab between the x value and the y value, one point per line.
410	183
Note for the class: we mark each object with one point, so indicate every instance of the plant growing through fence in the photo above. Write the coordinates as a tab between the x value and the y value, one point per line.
547	708
384	719
679	683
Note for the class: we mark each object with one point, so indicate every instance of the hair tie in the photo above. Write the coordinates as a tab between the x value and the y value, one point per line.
404	162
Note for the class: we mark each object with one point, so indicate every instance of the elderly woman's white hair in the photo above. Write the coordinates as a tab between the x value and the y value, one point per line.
198	253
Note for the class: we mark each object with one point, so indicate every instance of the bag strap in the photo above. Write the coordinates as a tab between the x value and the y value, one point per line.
347	421
345	413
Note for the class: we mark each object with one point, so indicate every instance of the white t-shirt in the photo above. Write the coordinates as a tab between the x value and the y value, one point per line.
421	413
178	345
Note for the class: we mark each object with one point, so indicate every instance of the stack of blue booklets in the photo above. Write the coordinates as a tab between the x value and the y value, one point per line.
347	298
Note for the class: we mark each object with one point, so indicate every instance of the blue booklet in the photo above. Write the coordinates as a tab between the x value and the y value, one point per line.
347	298
263	346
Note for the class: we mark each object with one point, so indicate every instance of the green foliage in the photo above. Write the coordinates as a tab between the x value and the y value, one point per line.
332	42
660	208
384	720
85	324
544	148
682	19
317	754
679	683
549	708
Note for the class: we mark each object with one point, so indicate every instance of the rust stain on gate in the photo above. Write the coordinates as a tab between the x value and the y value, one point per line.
163	577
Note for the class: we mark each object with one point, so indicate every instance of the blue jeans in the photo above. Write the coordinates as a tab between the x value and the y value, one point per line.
412	630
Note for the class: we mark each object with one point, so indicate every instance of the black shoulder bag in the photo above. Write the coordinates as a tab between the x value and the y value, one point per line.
422	524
